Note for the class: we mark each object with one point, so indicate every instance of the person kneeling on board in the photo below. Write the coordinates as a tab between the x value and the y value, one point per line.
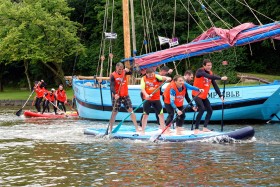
174	96
149	84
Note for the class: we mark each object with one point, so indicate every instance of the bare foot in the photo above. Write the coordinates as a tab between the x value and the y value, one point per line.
139	128
197	131
179	131
205	129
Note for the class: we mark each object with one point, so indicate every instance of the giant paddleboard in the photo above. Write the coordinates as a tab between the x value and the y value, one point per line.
151	134
30	114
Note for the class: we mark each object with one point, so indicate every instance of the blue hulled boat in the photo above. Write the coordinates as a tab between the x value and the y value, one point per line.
259	102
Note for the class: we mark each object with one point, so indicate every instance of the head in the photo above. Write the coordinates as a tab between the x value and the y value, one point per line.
150	72
179	80
188	75
52	90
119	67
60	87
207	64
164	70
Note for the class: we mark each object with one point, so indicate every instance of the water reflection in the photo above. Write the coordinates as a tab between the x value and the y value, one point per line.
57	153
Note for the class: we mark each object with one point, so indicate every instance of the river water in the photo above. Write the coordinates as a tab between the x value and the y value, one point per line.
36	152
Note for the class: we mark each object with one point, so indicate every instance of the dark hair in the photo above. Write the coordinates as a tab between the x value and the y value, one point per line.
150	70
205	61
188	72
164	68
176	77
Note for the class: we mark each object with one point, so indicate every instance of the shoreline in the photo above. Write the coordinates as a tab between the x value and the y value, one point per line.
10	102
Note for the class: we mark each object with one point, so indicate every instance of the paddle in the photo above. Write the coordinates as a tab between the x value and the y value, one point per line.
189	103
193	119
18	113
224	63
114	106
54	105
120	124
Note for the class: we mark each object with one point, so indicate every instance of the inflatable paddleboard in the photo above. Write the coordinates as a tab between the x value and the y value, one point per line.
152	133
30	114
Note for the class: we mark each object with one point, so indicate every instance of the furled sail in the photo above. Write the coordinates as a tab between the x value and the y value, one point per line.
214	39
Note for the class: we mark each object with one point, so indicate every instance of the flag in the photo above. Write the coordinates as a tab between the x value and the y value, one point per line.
163	40
110	35
174	41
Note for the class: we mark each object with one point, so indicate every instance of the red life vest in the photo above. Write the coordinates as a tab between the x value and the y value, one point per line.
50	96
179	97
151	84
202	83
61	95
118	81
40	92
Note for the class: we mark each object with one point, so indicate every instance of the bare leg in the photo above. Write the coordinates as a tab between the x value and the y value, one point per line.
133	118
144	123
112	121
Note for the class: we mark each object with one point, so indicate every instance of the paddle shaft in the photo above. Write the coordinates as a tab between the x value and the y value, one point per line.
54	105
222	121
193	119
189	103
119	125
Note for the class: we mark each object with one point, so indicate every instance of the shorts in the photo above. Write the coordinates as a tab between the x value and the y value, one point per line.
122	100
156	104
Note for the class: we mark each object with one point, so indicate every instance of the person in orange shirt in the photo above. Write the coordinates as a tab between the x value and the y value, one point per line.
149	83
174	96
119	91
50	97
203	79
40	91
61	97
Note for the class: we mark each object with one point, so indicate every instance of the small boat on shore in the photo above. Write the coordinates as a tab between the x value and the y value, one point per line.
30	114
152	133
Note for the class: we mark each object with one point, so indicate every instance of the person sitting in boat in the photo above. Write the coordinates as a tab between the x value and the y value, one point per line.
40	91
174	96
164	71
61	97
119	91
49	98
203	79
150	83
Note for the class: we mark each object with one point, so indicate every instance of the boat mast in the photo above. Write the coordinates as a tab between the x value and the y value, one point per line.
133	28
126	31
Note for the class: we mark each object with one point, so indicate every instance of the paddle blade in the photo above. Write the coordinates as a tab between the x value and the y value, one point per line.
18	113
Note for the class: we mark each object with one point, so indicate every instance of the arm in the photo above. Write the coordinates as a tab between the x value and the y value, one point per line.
143	90
112	85
188	86
172	98
202	73
188	99
217	89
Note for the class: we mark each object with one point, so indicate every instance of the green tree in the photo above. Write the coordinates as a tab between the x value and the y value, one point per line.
38	31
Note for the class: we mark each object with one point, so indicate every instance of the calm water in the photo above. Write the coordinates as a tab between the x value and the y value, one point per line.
56	153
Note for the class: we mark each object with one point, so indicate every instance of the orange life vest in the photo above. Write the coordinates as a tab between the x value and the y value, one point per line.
151	84
118	81
179	97
50	97
202	83
40	92
61	95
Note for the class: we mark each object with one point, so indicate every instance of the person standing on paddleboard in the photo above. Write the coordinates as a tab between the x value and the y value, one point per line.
149	84
203	79
40	91
119	91
174	96
61	97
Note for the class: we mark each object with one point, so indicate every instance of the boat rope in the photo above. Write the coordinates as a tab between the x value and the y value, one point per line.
76	56
110	59
188	34
102	44
174	19
152	25
228	12
205	10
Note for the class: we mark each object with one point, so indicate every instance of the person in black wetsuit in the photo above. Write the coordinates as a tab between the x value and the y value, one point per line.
203	80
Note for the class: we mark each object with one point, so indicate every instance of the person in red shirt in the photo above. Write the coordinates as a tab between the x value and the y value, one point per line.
50	97
40	91
203	79
149	83
61	97
119	91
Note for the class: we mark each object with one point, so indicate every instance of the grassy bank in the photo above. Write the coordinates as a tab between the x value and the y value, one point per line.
17	94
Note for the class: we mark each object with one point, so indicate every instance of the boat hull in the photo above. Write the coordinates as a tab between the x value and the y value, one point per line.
152	134
242	103
30	114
